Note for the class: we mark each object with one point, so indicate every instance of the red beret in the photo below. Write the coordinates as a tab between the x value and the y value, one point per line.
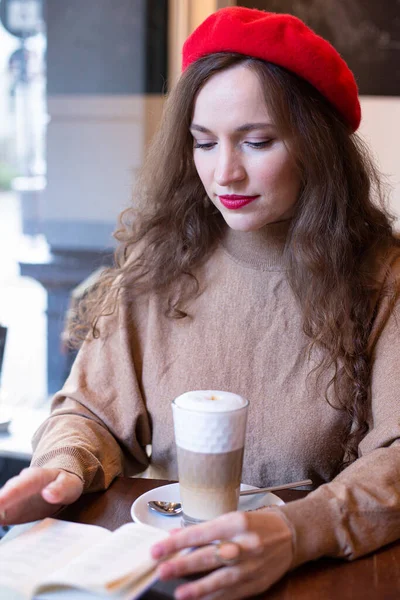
285	41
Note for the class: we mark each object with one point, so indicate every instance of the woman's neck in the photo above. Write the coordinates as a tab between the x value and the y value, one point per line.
262	248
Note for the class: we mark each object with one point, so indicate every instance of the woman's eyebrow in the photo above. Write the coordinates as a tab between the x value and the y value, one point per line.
253	126
199	128
243	128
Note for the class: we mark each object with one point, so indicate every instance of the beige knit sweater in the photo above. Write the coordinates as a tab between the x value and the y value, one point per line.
245	336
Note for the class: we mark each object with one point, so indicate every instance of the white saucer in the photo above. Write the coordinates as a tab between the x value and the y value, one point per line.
140	512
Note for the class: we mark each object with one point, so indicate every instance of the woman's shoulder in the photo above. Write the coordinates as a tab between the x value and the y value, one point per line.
391	264
386	304
382	264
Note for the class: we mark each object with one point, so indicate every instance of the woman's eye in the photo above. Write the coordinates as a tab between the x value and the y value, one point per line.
261	144
204	145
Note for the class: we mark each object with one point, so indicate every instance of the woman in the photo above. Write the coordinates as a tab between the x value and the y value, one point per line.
263	262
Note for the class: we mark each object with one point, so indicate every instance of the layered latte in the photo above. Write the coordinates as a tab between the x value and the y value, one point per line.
210	429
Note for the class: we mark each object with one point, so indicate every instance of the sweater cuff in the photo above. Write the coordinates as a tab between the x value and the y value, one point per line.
75	461
315	525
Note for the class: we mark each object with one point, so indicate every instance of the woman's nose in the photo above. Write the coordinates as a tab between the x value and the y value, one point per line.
228	168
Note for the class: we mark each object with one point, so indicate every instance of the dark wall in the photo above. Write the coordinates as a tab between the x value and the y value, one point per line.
366	33
106	46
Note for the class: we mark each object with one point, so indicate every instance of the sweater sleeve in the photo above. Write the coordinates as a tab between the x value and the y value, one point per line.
98	427
359	510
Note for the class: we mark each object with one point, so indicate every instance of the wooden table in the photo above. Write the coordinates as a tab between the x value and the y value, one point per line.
374	577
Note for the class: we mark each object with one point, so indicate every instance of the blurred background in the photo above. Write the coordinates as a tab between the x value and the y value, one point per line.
82	85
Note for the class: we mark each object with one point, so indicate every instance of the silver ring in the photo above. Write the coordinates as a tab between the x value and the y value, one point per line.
226	560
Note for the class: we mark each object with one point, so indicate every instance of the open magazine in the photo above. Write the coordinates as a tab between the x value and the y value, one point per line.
70	561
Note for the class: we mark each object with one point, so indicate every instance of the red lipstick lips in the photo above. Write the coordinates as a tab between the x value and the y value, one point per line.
233	202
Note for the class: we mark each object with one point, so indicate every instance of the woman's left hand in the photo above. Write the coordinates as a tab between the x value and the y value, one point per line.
258	546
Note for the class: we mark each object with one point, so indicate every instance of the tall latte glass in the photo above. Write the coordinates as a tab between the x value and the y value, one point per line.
210	428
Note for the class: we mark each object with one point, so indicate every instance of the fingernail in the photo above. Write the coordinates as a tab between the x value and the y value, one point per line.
165	571
157	552
51	485
182	594
50	493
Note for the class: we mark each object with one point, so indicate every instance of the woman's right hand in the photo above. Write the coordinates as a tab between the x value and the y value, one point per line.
37	493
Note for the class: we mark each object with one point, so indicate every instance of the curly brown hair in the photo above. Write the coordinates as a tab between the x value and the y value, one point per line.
339	236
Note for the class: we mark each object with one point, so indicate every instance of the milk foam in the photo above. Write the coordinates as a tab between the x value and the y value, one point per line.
210	421
210	401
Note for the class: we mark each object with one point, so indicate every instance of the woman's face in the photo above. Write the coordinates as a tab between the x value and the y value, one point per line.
243	163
